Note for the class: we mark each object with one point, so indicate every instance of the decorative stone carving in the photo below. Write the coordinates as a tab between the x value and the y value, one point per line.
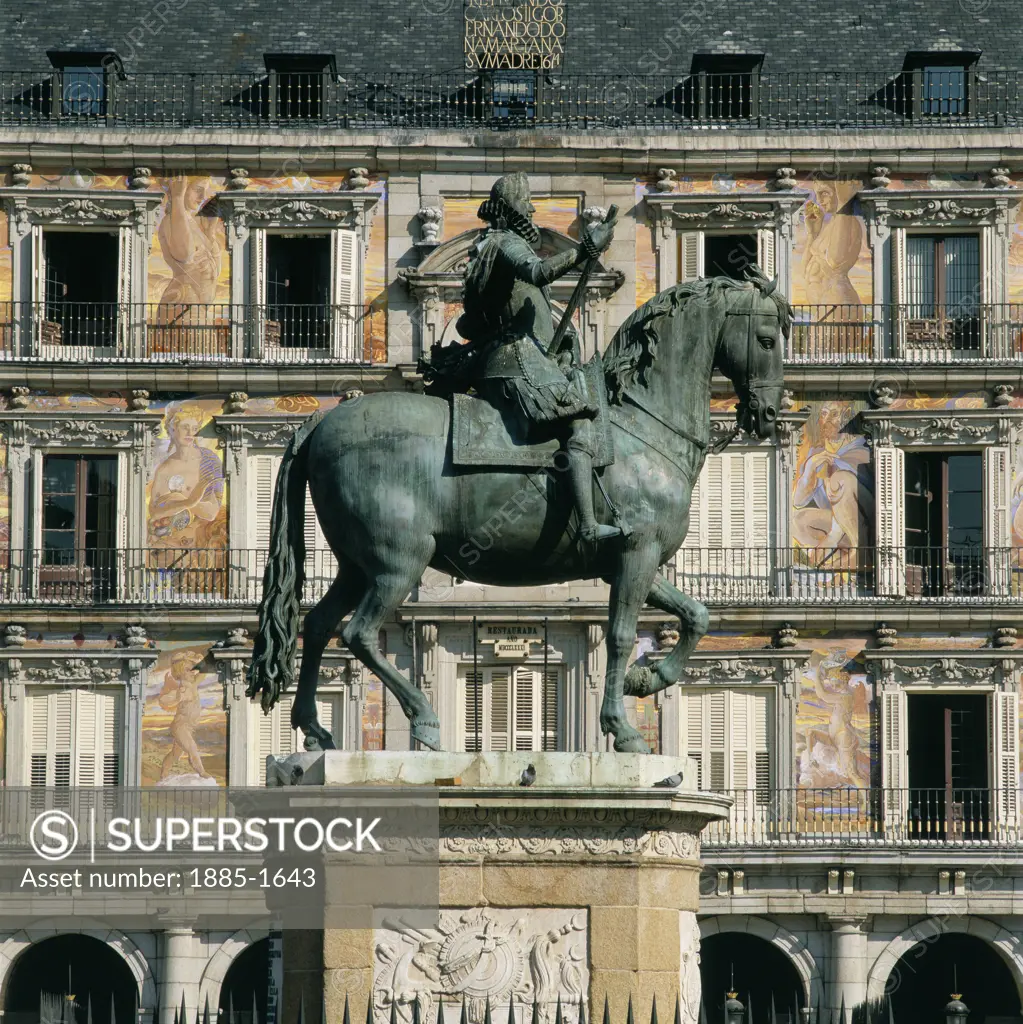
350	394
488	957
139	401
689	944
235	403
882	393
134	637
593	215
358	177
73	207
998	177
1004	636
910	427
243	211
1002	397
666	179
430	220
965	668
726	211
667	636
788	400
21	175
74	670
879	176
15	635
886	636
20	396
238	179
140	178
786	636
238	636
784	179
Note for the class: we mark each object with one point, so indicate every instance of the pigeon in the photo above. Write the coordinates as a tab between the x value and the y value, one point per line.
671	782
528	777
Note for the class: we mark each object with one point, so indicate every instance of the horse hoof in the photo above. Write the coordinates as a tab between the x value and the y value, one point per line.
631	743
428	733
317	738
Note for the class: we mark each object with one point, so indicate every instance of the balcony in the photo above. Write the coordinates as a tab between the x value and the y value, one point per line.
906	333
750	100
189	333
798	819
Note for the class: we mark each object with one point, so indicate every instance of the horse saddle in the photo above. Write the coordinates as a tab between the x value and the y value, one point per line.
482	436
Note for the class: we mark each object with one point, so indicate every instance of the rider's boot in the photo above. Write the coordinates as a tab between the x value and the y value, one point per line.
580	469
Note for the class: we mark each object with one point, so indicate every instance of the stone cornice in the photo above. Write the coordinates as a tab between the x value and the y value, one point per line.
938	207
789	429
262	430
727	209
59	427
740	667
909	427
243	210
983	668
83	207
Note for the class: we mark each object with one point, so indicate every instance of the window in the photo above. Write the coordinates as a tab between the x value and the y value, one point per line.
944	523
514	95
935	84
80	272
75	738
942	289
298	291
297	84
729	254
272	734
721	87
83	82
726	733
510	708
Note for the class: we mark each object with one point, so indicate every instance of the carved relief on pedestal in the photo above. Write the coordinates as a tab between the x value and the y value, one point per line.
689	946
502	954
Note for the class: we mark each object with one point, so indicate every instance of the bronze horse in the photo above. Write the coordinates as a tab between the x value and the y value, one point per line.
390	503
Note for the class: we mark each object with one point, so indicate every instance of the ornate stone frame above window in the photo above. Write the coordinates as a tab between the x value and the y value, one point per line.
778	670
346	216
437	282
21	670
995	431
132	215
680	221
889	215
898	673
30	435
340	673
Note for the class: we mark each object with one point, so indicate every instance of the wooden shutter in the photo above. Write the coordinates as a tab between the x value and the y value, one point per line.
889	490
693	735
526	709
125	287
473	697
38	281
262	478
690	255
894	768
498	705
257	288
897	249
766	251
75	738
509	705
726	733
997	525
1006	758
550	709
345	258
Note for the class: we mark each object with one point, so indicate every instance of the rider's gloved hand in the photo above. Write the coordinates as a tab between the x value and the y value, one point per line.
596	238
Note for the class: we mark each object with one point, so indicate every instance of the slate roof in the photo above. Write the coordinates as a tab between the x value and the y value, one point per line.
603	36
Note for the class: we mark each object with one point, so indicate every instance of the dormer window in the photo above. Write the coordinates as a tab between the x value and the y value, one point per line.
82	82
722	87
297	83
934	84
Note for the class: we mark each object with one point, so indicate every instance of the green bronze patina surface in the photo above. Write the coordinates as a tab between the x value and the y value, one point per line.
391	501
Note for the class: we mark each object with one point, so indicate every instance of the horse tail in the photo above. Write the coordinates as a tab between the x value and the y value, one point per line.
272	669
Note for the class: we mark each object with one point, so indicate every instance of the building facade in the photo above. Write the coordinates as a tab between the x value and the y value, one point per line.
211	231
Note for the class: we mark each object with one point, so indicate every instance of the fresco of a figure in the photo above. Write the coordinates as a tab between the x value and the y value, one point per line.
832	494
184	725
833	720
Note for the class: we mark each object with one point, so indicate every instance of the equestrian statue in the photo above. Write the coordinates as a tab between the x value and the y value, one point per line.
519	466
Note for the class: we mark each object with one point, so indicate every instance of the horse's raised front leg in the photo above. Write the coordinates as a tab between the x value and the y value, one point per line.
694	620
629	588
340	598
389	584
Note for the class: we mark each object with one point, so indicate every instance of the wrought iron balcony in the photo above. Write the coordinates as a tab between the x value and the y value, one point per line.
924	818
952	98
907	333
204	333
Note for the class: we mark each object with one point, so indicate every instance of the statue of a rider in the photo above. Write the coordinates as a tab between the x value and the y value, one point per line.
510	327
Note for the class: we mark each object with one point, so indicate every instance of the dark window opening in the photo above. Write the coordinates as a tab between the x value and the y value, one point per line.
762	974
942	291
729	255
298	291
79	520
514	95
83	80
944	524
81	288
298	84
720	87
948	765
932	85
244	989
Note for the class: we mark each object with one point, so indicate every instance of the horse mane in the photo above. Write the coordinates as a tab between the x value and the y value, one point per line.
633	350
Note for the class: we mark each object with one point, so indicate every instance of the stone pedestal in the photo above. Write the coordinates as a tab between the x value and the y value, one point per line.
580	886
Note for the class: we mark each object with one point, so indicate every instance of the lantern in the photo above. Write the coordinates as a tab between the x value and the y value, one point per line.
956	1011
734	1010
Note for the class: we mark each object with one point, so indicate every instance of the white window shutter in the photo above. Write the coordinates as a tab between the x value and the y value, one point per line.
693	734
262	730
761	718
40	749
346	276
890	491
997	524
740	740
257	266
527	709
38	266
766	251
550	709
262	477
498	691
473	710
87	743
898	256
894	766
717	736
75	738
62	731
1006	751
690	255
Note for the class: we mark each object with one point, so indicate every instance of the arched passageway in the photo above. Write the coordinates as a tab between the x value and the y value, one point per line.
761	973
245	985
59	978
922	980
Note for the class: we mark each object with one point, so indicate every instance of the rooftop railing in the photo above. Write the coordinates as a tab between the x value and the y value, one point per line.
952	98
924	818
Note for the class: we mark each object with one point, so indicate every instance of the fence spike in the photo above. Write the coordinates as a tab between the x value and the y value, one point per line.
842	1019
677	1019
774	1013
113	1010
255	1011
183	1017
536	1012
463	1017
653	1010
394	1011
749	1008
607	1011
511	1008
582	1010
230	1006
557	1012
415	1011
206	1010
345	1016
891	1013
629	1017
440	1009
301	1008
88	1006
486	1012
369	1009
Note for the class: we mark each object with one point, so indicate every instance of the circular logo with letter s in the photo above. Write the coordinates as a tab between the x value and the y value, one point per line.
54	835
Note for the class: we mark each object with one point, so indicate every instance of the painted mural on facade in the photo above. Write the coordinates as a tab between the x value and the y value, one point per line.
559	213
184	724
833	718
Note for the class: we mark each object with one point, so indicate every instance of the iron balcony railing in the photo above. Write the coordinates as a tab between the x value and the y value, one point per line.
952	97
799	818
213	332
717	576
907	332
836	575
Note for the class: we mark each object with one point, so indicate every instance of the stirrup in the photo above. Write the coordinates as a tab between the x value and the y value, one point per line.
599	532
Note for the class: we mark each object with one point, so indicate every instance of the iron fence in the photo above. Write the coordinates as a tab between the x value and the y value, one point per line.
190	332
906	332
931	99
807	817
